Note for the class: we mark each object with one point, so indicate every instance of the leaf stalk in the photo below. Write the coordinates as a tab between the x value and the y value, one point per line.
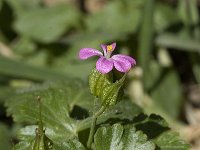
93	125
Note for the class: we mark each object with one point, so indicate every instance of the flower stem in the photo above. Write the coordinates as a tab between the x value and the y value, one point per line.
93	125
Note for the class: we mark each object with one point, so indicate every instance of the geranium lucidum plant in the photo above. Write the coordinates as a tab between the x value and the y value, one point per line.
100	84
123	126
106	62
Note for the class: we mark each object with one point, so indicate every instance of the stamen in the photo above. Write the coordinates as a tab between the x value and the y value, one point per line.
109	48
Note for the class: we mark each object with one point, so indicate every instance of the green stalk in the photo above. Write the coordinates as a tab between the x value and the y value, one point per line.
93	125
146	38
40	116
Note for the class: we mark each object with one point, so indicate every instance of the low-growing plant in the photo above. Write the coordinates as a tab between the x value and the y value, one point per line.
67	115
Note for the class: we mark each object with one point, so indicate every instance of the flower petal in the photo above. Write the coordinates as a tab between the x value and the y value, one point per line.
104	65
85	53
103	46
121	64
113	46
130	59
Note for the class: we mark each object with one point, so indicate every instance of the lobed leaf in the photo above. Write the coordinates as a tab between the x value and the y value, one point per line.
171	141
121	138
98	81
5	136
128	11
70	145
123	110
47	24
67	145
57	100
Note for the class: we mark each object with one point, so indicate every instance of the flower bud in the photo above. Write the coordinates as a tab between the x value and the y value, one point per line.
102	86
98	81
112	93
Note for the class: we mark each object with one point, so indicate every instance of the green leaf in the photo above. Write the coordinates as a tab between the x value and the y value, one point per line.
171	103
5	92
41	141
123	110
27	71
5	137
146	38
188	12
47	24
1	2
78	70
24	46
177	42
67	145
53	104
152	125
98	81
156	129
112	92
126	14
165	16
170	141
162	80
83	39
196	71
156	70
40	59
22	146
20	106
159	81
27	135
57	100
21	6
70	145
101	86
196	65
119	138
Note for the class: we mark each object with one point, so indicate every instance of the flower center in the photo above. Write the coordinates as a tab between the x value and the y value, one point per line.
109	48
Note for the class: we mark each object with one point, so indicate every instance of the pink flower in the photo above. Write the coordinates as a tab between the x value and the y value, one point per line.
105	63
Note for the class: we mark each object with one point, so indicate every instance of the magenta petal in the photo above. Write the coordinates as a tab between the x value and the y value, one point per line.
121	64
103	46
104	65
85	53
130	59
113	45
